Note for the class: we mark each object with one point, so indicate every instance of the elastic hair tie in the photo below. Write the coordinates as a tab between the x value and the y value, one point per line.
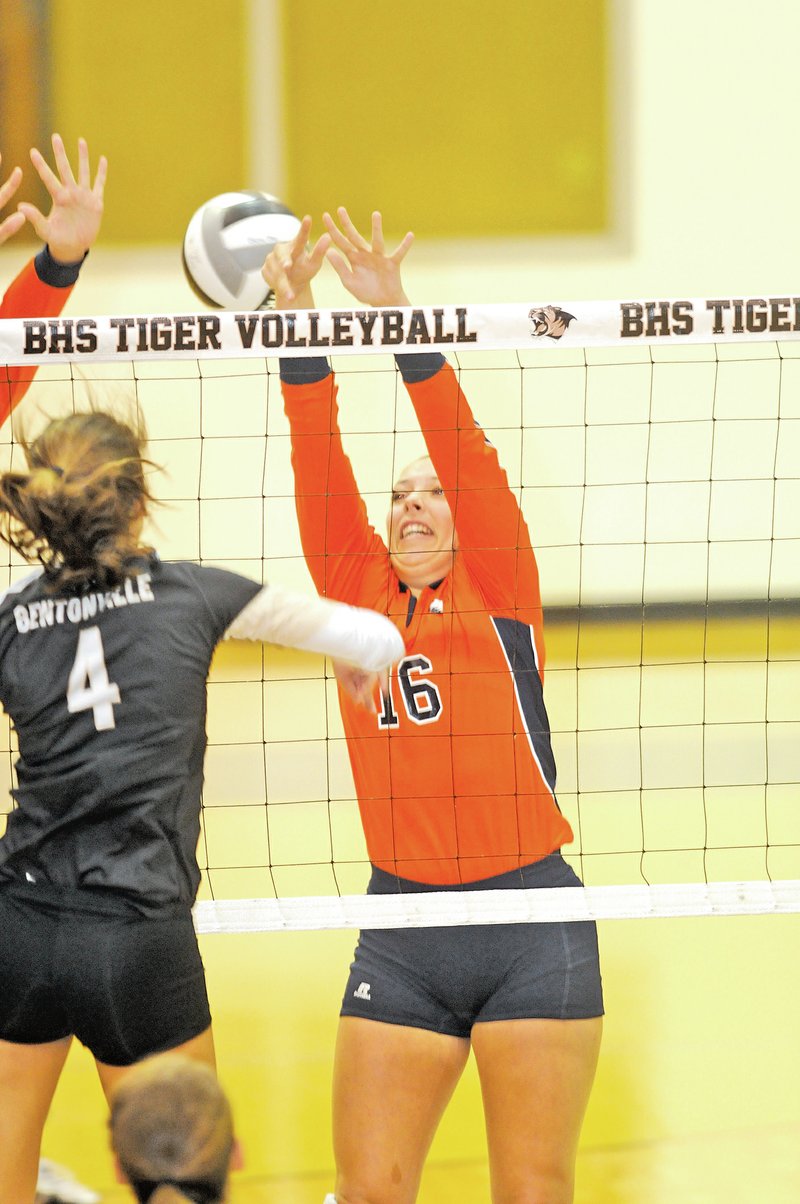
200	1191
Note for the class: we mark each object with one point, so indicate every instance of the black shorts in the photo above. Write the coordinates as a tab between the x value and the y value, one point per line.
447	979
126	985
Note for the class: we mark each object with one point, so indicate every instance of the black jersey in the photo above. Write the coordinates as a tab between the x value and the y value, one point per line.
107	692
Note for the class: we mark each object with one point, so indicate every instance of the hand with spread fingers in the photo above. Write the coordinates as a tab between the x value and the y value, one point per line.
365	268
73	223
291	266
14	221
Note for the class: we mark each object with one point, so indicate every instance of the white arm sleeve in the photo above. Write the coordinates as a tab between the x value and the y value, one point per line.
349	633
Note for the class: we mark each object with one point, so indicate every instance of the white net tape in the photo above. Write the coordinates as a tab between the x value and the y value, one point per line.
449	908
220	336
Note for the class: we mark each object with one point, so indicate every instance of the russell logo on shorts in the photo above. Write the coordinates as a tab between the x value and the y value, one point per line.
362	991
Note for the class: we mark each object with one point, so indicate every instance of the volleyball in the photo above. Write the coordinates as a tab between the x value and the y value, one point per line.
226	243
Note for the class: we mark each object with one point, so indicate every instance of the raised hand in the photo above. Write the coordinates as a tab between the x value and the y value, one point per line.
365	269
7	190
291	266
73	223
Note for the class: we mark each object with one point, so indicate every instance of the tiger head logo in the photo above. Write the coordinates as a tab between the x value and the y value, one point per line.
551	321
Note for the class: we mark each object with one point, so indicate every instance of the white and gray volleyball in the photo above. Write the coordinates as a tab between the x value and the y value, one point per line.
226	243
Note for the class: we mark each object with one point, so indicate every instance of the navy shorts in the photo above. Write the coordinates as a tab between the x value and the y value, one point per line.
447	979
126	985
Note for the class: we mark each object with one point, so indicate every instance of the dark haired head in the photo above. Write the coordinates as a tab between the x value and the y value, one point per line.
172	1132
80	507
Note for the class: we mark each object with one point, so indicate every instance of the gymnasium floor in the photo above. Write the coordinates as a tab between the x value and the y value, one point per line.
718	1169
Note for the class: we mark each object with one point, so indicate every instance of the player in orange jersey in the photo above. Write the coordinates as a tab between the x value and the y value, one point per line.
455	779
42	287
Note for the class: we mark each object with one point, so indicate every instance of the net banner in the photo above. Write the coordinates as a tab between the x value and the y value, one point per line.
223	334
449	909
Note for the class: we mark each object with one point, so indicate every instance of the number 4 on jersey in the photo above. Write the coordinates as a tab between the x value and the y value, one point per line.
88	688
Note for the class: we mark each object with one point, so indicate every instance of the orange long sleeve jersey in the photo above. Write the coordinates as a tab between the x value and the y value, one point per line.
455	777
39	291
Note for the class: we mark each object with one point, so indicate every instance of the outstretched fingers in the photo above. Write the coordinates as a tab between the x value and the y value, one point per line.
275	275
356	238
341	266
300	240
35	217
84	174
15	221
62	160
336	236
398	255
45	172
72	226
377	233
9	227
350	241
66	177
100	178
11	185
365	268
316	255
290	267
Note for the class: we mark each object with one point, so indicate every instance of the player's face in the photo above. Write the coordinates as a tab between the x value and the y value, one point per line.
422	538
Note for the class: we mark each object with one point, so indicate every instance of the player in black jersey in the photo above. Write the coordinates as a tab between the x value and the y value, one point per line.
104	654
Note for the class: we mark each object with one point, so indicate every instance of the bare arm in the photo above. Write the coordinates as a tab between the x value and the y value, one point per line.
361	643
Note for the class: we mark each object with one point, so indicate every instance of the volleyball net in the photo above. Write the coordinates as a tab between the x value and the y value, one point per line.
654	448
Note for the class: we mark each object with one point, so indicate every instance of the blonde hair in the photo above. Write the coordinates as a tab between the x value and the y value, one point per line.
172	1131
78	509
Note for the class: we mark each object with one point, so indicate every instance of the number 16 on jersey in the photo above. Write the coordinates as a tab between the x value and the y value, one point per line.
421	698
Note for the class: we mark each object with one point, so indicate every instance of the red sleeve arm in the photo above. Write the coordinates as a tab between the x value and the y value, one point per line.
39	291
492	533
347	560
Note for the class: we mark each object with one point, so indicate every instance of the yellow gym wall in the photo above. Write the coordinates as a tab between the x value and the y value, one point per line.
457	119
24	115
159	88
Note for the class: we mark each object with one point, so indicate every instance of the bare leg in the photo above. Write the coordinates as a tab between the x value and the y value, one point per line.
536	1076
200	1048
28	1078
391	1085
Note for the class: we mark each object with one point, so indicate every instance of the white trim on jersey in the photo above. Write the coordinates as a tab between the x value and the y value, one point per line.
349	633
17	587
